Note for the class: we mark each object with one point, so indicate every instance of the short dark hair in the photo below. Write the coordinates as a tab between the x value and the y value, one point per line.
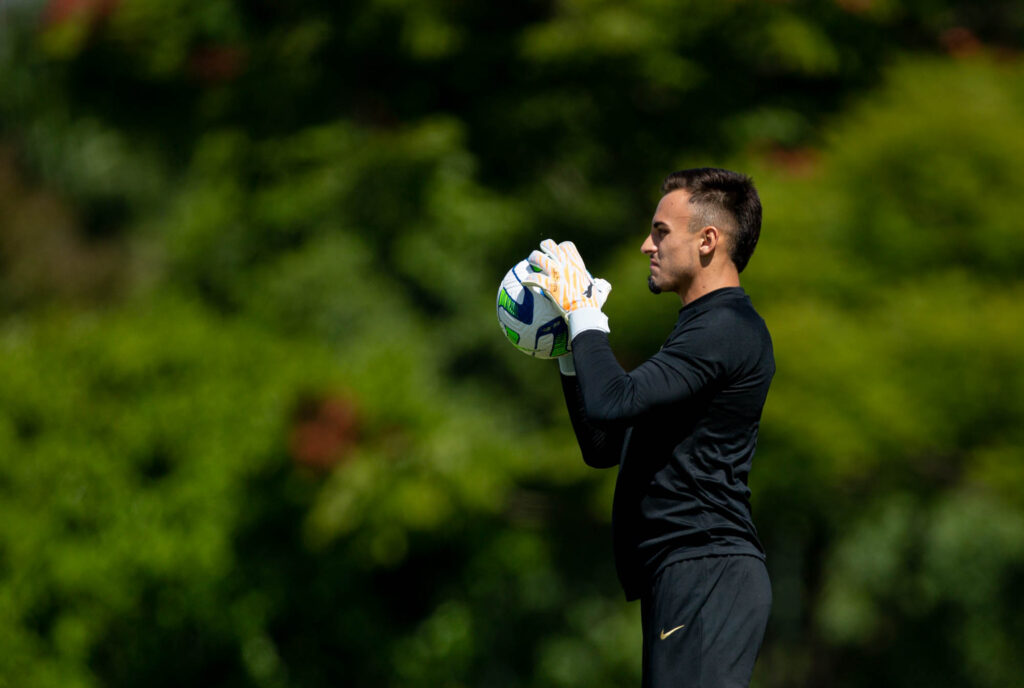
716	192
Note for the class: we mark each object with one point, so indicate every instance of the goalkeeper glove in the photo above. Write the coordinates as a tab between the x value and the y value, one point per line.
564	277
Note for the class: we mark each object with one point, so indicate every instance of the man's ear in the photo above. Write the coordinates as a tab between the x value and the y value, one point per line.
710	237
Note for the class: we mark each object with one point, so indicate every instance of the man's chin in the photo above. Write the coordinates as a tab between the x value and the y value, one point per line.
655	289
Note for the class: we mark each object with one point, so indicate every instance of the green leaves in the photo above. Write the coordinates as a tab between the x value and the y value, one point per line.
121	470
933	171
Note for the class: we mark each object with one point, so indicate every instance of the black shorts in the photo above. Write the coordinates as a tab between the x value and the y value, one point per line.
703	622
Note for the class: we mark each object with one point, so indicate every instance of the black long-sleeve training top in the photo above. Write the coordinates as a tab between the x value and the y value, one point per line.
682	427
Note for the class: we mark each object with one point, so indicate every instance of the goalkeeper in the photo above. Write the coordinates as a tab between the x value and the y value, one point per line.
681	428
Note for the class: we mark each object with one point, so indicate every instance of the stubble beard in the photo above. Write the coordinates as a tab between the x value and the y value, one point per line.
655	289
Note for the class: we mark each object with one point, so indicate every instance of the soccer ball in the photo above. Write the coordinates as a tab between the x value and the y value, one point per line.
529	318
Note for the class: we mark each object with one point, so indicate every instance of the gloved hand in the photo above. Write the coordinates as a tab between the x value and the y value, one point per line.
564	277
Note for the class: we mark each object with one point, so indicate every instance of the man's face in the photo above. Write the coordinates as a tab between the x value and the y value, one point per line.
671	246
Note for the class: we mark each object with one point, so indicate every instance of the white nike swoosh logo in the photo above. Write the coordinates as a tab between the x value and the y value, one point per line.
665	634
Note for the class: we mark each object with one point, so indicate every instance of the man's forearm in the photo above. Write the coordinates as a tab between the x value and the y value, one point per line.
601	446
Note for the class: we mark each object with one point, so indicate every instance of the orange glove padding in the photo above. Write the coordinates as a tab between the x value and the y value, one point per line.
564	277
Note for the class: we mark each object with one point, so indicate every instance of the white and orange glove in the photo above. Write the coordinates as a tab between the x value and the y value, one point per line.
564	277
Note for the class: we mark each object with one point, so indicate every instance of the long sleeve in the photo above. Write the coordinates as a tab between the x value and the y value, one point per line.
601	444
682	369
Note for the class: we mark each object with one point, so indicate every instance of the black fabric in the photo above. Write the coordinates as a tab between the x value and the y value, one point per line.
682	427
703	623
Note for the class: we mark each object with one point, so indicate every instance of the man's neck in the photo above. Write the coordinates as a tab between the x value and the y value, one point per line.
705	284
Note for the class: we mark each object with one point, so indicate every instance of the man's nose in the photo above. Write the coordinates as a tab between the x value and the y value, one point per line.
648	246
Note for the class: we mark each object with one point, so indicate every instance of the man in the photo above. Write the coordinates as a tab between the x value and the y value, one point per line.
682	428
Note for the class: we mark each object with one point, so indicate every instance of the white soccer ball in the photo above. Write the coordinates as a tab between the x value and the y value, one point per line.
529	318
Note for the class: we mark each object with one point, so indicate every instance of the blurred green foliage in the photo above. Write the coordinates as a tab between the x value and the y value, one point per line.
258	426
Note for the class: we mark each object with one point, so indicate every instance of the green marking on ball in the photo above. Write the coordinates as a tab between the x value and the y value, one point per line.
561	344
512	334
508	303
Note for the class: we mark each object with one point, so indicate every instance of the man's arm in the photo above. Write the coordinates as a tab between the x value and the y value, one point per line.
601	445
674	374
606	392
